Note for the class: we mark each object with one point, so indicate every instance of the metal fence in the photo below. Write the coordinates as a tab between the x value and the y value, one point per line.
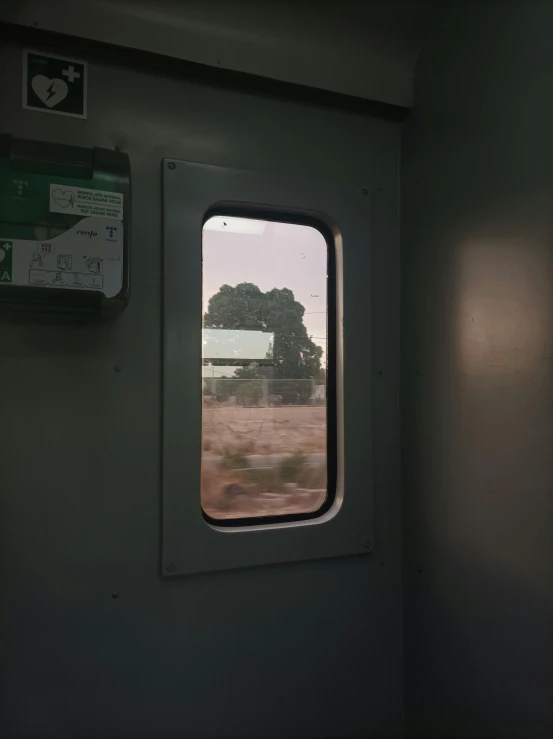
264	392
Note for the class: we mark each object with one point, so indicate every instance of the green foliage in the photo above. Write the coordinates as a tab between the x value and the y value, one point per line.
234	461
248	393
313	478
290	468
266	478
219	387
246	308
293	468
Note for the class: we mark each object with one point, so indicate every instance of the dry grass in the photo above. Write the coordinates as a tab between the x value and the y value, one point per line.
280	430
233	488
291	486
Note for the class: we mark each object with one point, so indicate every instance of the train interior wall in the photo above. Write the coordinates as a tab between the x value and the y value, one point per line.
477	423
445	629
311	648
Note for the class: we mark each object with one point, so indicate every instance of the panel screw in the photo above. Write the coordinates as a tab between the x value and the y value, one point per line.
117	148
117	369
171	568
172	165
364	192
420	569
368	544
115	595
381	563
379	372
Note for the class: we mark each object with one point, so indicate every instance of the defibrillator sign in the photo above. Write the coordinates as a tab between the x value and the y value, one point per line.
52	84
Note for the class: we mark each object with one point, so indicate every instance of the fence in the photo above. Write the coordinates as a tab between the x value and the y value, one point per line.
263	392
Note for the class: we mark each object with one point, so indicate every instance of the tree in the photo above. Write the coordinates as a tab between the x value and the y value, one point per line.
246	308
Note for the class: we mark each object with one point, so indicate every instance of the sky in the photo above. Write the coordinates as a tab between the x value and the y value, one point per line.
283	255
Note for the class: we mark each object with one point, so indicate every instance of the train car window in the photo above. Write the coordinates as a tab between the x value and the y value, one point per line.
268	432
262	411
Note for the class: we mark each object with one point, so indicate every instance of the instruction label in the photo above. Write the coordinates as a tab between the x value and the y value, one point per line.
88	256
6	249
81	201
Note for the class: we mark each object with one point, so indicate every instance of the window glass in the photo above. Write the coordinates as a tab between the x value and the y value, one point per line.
264	369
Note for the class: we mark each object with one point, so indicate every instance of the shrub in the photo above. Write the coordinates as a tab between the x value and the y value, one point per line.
249	393
266	478
290	468
234	461
313	478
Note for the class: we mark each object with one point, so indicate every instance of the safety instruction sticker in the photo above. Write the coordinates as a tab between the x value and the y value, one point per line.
88	256
81	201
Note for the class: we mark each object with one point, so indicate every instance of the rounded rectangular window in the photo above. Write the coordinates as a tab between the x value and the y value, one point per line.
268	383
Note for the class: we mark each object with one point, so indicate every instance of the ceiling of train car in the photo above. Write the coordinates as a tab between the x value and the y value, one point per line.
354	47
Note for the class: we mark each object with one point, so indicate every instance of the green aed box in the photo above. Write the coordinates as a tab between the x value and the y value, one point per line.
64	228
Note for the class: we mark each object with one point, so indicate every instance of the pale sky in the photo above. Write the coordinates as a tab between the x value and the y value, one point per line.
284	255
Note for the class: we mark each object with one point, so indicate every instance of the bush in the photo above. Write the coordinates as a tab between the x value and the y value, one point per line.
313	478
290	468
266	478
249	393
234	461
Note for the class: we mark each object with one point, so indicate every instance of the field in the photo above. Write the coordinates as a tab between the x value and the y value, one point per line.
284	429
260	461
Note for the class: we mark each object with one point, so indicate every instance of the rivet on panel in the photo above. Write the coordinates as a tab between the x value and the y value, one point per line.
172	165
368	544
117	369
115	595
364	192
171	568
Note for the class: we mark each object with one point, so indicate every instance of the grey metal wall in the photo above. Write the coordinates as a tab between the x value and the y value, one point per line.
311	649
477	271
367	49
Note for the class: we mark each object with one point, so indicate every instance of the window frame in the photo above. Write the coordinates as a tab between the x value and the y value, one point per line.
189	543
258	212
